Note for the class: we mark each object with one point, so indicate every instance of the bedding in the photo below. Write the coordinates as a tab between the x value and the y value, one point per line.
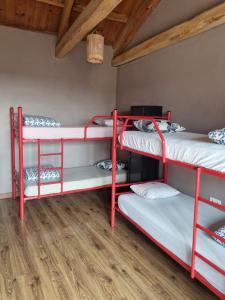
31	174
192	148
153	190
75	179
107	165
106	122
221	233
39	121
218	136
67	132
164	126
170	222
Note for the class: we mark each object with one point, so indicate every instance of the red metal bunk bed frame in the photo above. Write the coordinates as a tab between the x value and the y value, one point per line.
199	171
17	132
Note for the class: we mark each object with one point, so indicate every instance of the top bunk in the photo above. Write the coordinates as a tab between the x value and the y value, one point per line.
187	149
33	128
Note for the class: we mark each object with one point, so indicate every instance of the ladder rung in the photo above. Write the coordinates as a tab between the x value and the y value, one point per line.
50	183
207	261
51	168
211	233
51	154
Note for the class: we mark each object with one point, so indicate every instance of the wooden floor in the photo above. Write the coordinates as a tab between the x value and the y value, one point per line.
66	250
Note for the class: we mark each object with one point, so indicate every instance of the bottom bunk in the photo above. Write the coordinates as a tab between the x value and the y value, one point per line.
77	178
169	221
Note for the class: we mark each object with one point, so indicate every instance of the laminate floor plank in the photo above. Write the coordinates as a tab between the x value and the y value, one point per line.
66	249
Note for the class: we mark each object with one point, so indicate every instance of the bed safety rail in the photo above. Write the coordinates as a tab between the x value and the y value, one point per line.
197	226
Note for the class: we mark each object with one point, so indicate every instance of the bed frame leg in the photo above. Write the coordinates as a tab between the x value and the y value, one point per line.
113	195
21	162
196	208
165	171
13	170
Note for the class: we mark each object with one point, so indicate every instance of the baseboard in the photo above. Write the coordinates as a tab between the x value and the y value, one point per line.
5	196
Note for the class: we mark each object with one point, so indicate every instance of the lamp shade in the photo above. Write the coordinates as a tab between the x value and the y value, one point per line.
95	48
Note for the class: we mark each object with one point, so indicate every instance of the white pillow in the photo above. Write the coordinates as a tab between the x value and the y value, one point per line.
153	190
106	122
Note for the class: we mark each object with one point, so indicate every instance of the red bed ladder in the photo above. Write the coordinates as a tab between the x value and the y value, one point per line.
61	168
197	227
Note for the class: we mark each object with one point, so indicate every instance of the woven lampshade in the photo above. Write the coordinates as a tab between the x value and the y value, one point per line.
95	48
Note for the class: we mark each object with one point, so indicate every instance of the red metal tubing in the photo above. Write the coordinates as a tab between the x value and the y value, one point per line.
13	154
21	162
165	172
113	195
62	165
51	154
67	192
211	233
218	269
39	169
153	119
118	185
196	208
67	140
206	201
92	121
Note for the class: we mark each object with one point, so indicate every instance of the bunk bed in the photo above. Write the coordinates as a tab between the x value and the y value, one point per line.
71	180
181	225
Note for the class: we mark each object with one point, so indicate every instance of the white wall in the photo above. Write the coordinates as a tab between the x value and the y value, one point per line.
186	78
68	89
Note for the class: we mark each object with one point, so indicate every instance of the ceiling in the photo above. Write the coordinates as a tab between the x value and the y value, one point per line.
43	17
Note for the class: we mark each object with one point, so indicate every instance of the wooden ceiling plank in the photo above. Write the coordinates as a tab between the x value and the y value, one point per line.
113	16
64	22
94	13
140	13
205	21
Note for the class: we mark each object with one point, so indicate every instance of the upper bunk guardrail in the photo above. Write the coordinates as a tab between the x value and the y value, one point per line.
16	124
127	119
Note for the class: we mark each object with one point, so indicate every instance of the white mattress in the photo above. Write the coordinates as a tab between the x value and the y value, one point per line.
170	222
66	132
193	148
75	179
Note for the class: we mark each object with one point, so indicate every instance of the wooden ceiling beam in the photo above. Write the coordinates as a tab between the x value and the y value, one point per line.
201	23
94	13
64	22
113	16
140	13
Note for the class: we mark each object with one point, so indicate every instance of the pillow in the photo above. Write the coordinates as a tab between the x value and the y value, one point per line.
31	174
220	232
39	121
164	126
107	165
153	190
217	136
106	122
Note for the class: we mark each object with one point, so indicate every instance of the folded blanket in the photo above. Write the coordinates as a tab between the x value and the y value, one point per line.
164	126
217	136
106	164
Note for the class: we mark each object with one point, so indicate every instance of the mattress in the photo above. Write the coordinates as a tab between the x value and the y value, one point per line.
170	222
192	148
66	132
75	179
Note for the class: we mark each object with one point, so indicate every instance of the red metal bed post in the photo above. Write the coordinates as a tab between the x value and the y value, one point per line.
62	164
21	181
169	116
39	168
114	142
194	243
13	155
